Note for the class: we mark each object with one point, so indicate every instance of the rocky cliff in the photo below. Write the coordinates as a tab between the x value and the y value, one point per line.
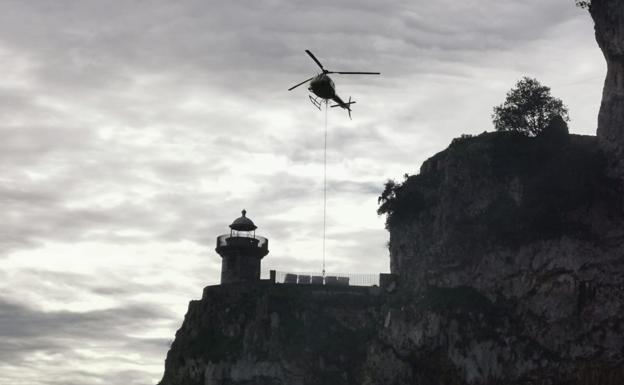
608	17
535	226
510	254
485	200
275	334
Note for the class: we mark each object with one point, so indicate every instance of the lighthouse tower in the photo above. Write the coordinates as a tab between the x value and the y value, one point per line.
241	251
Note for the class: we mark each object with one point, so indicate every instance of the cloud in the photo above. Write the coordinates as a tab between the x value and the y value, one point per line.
133	134
28	333
20	323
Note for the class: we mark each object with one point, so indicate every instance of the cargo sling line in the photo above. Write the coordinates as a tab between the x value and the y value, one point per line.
325	186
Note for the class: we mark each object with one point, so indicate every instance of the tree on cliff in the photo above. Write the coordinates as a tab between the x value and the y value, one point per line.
528	108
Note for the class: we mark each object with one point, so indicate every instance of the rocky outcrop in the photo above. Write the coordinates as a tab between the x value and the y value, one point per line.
275	334
608	17
501	194
533	225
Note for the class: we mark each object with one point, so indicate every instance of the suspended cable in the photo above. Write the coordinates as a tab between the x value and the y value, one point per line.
325	186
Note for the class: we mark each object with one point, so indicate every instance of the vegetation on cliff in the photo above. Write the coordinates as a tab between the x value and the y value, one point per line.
528	108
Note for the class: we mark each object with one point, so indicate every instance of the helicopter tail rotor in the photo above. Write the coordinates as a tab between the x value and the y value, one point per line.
346	106
349	107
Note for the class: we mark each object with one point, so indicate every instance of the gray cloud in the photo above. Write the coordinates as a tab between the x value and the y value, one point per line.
149	124
25	331
87	45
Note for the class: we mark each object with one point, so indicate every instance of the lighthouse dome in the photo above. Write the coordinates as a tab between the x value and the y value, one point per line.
243	223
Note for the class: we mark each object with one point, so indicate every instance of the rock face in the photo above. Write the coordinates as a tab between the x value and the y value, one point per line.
536	227
510	252
501	194
608	16
275	334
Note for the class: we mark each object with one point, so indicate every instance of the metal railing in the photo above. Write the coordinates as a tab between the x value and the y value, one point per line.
328	280
239	241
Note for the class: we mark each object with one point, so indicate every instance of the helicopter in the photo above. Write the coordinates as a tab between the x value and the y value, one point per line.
323	86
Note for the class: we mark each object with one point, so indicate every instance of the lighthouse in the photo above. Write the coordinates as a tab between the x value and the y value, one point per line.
241	251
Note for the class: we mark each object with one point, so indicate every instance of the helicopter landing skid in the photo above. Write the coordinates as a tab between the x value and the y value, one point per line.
317	103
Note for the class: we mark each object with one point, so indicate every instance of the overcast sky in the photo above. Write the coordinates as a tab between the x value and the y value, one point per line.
134	132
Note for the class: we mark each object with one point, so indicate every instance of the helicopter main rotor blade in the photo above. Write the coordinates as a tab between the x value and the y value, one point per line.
354	73
303	82
315	59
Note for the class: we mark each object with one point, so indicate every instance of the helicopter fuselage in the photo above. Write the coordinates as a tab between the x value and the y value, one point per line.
323	87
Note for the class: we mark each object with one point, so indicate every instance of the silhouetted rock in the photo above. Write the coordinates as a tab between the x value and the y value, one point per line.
556	130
